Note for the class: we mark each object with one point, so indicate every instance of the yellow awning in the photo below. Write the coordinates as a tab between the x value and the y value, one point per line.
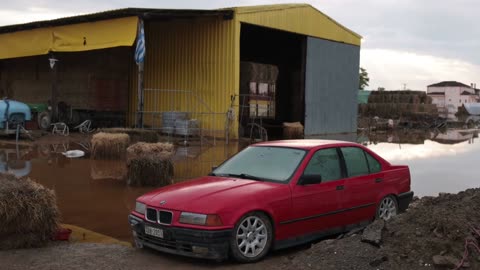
69	38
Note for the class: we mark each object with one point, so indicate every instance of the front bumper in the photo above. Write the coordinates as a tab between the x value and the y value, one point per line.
185	242
404	200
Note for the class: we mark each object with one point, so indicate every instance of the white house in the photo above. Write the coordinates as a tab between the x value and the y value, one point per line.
450	95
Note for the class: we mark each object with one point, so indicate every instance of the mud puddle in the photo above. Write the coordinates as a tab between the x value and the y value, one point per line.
93	194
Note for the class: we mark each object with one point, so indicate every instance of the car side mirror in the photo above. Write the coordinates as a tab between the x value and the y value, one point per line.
214	168
310	179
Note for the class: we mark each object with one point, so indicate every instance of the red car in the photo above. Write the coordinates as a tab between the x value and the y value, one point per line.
271	195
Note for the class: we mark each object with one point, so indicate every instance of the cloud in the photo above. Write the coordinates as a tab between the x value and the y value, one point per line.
406	41
391	69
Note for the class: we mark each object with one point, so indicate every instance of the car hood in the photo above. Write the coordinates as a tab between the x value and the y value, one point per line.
210	194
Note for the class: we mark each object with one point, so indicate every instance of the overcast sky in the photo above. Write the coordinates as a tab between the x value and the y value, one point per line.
411	42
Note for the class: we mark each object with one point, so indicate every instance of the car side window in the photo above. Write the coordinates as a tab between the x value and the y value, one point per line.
373	164
325	163
355	161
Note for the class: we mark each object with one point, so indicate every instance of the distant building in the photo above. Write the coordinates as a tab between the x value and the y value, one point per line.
450	95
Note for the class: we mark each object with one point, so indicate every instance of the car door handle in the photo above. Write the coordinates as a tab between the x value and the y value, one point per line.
340	187
378	180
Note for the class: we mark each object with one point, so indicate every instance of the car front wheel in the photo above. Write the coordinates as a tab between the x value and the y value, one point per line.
252	237
387	208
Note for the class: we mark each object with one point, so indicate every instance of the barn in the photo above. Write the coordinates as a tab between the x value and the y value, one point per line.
224	73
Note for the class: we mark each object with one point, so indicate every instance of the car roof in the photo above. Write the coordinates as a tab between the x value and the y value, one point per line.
305	144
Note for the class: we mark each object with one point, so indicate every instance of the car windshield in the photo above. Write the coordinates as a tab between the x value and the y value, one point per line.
262	163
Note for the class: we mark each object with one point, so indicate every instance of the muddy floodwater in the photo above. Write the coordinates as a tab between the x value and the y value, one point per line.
93	193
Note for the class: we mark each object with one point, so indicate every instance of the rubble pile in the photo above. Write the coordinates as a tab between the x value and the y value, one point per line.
434	233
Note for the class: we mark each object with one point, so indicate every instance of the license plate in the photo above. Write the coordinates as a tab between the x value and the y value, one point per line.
154	231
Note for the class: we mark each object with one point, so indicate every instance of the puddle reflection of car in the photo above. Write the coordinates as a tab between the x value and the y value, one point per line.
17	167
271	195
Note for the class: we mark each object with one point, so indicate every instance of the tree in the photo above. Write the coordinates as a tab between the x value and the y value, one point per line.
364	79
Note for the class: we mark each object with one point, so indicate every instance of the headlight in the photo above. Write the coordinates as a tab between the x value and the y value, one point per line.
200	219
192	218
140	208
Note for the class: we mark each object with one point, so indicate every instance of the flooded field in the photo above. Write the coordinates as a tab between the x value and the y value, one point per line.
93	193
439	162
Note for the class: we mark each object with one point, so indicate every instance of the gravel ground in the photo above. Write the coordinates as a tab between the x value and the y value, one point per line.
86	256
432	234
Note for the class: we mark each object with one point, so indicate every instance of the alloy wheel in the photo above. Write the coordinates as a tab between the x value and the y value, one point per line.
251	236
387	208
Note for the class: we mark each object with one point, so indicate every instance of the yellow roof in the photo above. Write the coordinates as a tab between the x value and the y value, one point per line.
119	27
297	18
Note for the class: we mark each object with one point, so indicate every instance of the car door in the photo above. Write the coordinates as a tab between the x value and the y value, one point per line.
317	197
363	184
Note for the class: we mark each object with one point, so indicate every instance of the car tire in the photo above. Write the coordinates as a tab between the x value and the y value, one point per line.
252	237
44	120
387	208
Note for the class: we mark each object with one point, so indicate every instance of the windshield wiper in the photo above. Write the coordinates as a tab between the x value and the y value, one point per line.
242	176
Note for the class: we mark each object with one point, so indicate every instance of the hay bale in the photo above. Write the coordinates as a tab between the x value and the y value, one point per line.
149	164
28	213
136	135
150	172
141	150
108	169
109	145
292	130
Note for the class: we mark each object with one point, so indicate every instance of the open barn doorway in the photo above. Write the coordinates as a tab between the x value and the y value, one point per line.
272	80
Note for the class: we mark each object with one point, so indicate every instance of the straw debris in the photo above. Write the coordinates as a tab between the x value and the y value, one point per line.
136	135
149	164
28	213
109	145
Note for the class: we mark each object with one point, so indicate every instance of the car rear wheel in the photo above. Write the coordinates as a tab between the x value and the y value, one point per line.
387	208
252	237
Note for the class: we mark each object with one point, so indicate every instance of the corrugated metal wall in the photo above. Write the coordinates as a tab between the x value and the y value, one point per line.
198	55
331	87
297	18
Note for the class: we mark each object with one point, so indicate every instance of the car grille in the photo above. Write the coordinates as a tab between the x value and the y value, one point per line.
165	217
162	217
151	215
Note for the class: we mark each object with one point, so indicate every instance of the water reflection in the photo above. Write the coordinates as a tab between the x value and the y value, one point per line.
442	162
93	193
11	162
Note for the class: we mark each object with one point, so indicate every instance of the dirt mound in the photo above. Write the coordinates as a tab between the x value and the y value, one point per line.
432	233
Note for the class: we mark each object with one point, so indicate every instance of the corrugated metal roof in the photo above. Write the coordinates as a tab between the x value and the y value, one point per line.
307	23
282	7
145	13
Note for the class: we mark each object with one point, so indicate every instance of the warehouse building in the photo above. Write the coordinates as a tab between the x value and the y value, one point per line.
228	71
